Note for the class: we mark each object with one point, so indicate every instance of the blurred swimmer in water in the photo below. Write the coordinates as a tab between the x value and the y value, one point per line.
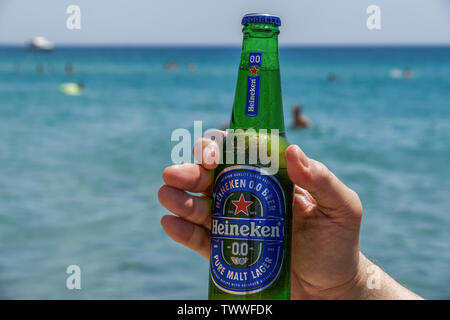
300	120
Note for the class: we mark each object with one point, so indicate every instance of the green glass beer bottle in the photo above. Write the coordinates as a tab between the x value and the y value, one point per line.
252	198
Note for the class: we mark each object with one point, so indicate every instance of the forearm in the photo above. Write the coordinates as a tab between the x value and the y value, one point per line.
372	283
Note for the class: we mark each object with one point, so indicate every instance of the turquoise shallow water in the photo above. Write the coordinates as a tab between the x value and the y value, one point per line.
79	175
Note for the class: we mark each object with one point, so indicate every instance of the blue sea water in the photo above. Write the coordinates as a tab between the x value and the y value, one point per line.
79	174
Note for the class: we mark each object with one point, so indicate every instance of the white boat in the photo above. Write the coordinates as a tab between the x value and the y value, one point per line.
40	44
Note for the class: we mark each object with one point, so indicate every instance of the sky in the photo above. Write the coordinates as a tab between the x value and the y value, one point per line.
212	22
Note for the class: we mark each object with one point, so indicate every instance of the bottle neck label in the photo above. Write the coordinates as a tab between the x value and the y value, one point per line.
247	230
257	102
253	84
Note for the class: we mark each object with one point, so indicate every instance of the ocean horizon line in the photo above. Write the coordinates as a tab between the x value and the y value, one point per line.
234	46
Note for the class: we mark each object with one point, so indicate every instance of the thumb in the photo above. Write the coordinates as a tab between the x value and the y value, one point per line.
333	197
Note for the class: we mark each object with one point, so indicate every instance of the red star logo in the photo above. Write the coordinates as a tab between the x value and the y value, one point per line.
241	205
254	71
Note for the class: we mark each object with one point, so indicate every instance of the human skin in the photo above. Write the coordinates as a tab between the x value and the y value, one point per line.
326	258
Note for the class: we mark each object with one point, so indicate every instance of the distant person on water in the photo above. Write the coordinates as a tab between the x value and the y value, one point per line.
407	73
69	68
171	65
300	120
397	73
332	77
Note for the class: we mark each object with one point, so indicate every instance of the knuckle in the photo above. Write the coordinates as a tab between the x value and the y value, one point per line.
353	205
323	174
190	207
357	207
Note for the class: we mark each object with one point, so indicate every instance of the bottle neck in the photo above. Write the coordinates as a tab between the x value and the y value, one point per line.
257	102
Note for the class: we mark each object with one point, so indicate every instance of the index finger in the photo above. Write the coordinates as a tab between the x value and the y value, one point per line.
189	176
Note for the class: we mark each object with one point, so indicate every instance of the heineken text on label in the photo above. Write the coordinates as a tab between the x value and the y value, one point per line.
247	230
253	84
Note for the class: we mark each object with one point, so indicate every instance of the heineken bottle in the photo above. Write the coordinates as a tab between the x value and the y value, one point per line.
252	199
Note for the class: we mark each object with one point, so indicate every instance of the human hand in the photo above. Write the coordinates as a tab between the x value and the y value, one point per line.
326	260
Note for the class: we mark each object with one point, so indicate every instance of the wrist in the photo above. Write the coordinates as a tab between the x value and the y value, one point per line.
352	289
358	289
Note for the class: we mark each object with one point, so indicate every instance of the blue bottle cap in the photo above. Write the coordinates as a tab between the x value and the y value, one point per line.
261	18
